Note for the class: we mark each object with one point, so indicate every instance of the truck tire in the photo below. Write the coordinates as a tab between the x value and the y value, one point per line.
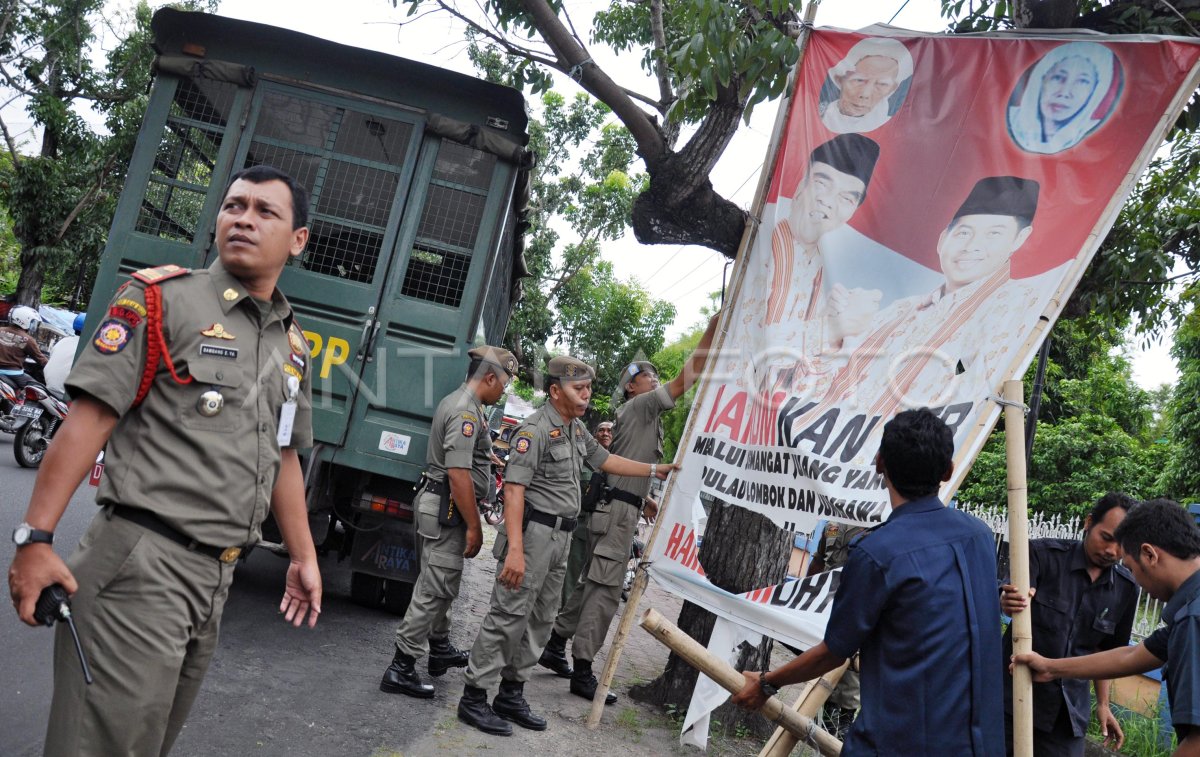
366	590
396	596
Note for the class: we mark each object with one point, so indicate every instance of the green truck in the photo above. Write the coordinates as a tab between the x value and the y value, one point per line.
418	179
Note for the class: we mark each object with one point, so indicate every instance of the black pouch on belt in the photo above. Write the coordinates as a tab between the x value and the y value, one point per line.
594	493
448	514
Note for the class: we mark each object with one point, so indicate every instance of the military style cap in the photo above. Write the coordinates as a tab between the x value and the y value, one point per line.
501	358
639	366
565	367
853	154
1001	196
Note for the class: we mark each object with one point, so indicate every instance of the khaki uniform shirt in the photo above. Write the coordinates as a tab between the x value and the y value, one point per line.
638	435
548	455
459	438
209	477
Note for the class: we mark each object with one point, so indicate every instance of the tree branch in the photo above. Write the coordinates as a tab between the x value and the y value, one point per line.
12	146
575	60
499	39
86	199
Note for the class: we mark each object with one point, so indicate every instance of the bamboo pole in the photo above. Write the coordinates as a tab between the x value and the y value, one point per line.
1018	561
732	680
743	256
809	703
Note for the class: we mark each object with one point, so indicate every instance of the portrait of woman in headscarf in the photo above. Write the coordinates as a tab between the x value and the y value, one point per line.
1064	97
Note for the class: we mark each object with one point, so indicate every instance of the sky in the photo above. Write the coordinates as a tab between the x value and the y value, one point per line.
682	275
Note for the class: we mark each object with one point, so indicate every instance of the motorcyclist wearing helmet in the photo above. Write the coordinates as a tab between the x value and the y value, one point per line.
62	358
16	344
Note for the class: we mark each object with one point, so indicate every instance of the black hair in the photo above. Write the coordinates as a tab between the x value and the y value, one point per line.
1108	502
261	174
917	450
482	368
1162	523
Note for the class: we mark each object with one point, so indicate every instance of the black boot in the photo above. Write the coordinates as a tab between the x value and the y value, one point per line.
510	704
554	656
443	655
583	683
401	678
473	710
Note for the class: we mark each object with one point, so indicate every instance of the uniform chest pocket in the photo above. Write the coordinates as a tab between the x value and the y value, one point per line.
559	461
1049	610
213	400
1106	626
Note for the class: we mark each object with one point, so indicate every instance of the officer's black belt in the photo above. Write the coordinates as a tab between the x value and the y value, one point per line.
553	521
152	522
433	486
624	496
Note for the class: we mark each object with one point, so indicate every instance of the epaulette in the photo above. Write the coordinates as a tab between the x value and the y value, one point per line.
160	273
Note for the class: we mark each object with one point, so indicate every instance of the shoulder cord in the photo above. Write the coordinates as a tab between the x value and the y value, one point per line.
156	346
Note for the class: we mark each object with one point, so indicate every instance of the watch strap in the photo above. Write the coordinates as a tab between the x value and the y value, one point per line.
36	536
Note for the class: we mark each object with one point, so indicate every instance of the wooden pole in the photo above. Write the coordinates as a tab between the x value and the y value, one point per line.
810	702
1018	563
743	256
732	680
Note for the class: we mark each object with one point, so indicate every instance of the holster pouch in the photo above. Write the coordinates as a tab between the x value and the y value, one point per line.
525	517
448	514
594	494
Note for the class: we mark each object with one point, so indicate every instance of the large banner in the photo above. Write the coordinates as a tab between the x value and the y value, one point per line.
933	203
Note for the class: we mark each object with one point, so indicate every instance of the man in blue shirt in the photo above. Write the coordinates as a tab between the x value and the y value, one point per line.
918	602
1162	550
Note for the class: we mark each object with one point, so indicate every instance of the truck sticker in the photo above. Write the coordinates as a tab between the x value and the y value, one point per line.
334	349
395	443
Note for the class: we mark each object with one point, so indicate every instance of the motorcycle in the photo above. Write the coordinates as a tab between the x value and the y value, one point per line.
492	508
13	412
44	413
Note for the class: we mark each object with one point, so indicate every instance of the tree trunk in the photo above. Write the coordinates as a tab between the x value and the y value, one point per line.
33	276
742	550
704	217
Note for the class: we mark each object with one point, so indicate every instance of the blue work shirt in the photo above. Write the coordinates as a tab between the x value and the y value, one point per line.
1178	643
918	601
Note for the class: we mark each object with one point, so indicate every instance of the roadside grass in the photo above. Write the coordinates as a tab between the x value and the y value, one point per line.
1141	733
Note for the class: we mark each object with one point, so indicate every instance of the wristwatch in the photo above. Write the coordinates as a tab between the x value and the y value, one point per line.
767	688
27	534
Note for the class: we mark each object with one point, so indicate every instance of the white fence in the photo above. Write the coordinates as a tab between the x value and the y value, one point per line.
1149	610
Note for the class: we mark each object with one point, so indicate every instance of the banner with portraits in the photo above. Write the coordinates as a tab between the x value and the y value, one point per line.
933	203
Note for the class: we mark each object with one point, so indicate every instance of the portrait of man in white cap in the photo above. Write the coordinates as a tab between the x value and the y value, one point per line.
865	88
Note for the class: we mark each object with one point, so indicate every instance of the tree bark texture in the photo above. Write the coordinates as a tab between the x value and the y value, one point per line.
742	550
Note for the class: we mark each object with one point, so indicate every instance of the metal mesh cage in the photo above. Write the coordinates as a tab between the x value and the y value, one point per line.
436	276
450	224
183	165
350	163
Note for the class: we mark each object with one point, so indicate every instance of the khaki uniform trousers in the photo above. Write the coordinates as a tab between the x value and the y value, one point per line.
148	612
577	560
591	608
441	548
517	626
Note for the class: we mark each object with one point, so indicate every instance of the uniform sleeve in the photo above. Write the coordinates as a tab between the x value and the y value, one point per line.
1184	660
662	402
302	431
857	606
1156	644
110	366
458	439
527	445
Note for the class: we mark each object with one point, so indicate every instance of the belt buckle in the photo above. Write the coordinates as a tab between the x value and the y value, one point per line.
229	554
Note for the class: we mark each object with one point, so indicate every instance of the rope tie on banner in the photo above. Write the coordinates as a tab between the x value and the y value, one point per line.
576	72
1005	403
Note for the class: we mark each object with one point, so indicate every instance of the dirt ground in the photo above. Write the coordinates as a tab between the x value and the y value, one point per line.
627	728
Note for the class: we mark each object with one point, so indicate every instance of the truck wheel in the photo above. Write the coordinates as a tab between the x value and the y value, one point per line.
396	596
366	590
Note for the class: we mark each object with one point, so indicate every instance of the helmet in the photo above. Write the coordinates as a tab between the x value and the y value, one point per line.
77	324
23	317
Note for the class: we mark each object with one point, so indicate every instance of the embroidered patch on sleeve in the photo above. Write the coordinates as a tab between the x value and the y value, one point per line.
468	428
111	337
522	445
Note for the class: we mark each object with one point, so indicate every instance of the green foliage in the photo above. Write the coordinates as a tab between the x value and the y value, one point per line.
1181	474
62	198
1095	433
1142	733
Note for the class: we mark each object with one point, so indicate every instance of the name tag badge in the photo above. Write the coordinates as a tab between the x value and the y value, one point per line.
287	413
